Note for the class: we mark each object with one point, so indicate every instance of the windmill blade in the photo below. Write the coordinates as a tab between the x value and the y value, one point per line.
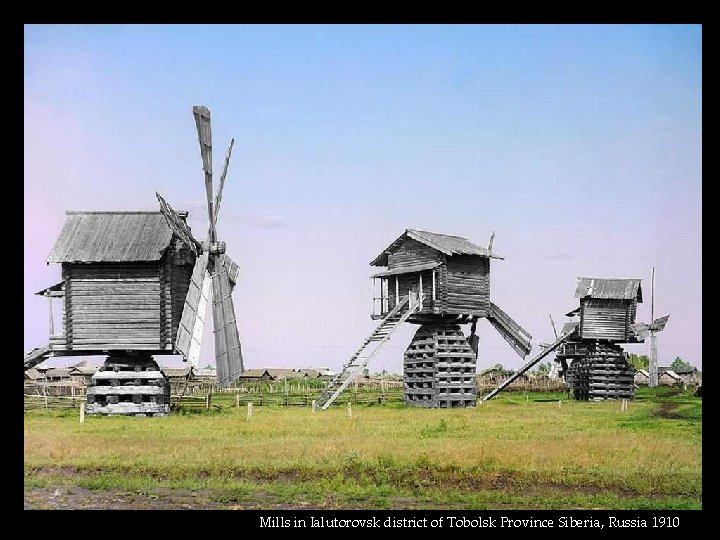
228	355
641	330
659	324
178	226
232	268
202	122
192	321
218	198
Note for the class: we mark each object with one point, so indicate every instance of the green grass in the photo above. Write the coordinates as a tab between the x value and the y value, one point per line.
516	451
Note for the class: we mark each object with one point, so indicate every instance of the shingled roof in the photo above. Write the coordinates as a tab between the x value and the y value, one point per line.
112	237
609	288
444	243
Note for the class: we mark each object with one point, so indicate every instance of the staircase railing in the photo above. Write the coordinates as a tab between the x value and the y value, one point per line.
351	370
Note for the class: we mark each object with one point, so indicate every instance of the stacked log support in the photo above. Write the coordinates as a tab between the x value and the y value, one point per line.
602	372
130	384
439	368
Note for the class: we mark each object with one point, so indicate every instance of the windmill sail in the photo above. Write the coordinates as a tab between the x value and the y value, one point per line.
228	356
232	268
659	324
192	321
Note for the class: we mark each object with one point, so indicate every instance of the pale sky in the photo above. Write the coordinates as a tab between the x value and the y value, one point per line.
579	145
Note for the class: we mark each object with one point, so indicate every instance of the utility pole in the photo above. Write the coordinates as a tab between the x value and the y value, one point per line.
653	382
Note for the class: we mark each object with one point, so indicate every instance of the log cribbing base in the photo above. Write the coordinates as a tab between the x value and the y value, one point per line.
131	385
601	373
439	368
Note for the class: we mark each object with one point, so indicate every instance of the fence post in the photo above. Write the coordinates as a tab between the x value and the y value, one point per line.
208	401
349	409
82	412
314	405
559	403
249	410
237	400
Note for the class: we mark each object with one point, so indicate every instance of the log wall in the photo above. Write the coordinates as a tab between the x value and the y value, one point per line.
605	319
112	306
412	252
467	285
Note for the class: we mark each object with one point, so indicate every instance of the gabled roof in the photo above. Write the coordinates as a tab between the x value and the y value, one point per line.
185	371
112	237
57	372
83	370
609	288
284	373
34	374
444	243
677	370
256	373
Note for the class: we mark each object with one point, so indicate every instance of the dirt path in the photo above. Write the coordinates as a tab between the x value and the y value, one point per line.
76	498
666	410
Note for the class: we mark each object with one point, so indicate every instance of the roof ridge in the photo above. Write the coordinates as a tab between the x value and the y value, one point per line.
441	234
73	212
619	278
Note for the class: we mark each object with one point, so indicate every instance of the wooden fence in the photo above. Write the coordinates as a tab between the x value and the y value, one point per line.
271	397
34	402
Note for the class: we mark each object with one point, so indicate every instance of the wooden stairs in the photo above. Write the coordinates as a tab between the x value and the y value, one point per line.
370	347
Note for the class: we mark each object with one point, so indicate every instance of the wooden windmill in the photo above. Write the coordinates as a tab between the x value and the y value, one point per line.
439	282
135	285
588	349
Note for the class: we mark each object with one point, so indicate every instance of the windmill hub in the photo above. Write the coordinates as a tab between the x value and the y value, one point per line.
214	248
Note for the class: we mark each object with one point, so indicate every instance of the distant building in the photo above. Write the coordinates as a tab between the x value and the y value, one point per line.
261	374
642	377
33	375
310	373
281	374
669	378
57	374
688	374
82	374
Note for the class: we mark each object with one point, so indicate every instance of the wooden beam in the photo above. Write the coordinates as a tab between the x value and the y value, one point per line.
433	286
397	291
52	324
420	291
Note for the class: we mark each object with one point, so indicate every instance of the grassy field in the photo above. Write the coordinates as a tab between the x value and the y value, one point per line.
516	451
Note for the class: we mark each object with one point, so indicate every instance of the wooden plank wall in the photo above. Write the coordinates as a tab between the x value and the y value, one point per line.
179	281
605	319
410	253
468	285
112	306
632	313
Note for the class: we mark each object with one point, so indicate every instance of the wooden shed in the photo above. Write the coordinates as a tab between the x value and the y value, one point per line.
608	308
452	273
642	377
125	277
